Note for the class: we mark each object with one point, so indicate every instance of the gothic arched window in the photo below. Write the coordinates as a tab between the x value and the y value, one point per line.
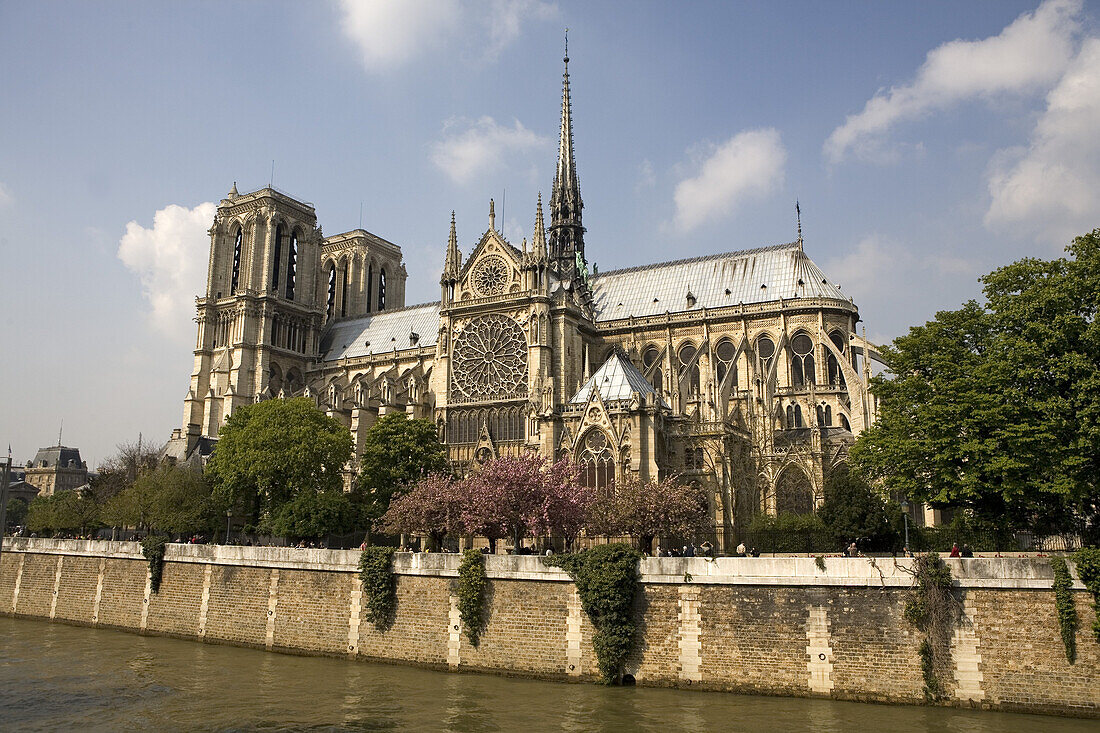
802	360
382	289
291	265
649	359
765	352
835	376
724	353
689	368
794	416
278	256
236	261
596	462
793	492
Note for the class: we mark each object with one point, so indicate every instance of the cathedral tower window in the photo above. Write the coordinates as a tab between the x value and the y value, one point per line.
689	368
277	259
835	375
649	360
344	288
236	261
596	462
370	286
802	361
291	265
331	301
382	289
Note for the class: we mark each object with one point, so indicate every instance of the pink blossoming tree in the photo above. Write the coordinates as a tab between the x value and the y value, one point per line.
433	506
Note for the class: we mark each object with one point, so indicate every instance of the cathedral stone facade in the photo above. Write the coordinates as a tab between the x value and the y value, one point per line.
743	371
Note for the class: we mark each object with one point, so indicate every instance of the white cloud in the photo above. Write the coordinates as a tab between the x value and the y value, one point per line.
6	199
1030	54
171	260
870	268
482	145
646	178
748	165
390	33
1049	188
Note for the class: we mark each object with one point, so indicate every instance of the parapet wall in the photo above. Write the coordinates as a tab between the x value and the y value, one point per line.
757	625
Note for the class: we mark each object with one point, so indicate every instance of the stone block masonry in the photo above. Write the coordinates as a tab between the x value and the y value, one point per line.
756	625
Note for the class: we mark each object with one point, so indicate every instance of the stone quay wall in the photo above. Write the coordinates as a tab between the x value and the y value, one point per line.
777	626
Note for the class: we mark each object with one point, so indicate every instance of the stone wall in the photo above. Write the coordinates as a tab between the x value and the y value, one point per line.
756	625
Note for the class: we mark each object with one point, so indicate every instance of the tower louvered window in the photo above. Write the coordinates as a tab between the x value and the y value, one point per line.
236	262
275	266
291	266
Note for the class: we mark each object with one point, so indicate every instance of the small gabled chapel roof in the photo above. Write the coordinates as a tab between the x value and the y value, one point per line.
617	379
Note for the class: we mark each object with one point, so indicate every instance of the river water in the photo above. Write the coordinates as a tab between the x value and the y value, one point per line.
57	677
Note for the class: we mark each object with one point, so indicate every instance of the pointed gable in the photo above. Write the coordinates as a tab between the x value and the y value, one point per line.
617	379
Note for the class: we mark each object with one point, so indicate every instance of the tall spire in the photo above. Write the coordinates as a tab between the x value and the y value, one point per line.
798	218
566	230
538	242
453	262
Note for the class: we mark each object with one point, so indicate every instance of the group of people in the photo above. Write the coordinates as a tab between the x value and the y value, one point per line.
689	550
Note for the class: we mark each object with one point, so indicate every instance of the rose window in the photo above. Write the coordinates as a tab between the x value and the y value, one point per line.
489	360
491	275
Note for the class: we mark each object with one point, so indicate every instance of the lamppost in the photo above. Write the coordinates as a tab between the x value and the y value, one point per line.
228	519
905	515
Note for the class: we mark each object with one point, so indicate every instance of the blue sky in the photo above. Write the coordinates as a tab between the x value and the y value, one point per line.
927	143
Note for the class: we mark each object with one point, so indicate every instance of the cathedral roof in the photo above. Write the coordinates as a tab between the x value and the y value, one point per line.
381	332
617	379
712	281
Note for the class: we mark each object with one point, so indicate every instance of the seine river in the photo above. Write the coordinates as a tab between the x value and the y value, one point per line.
57	677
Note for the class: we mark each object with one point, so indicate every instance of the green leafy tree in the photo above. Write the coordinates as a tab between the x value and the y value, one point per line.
16	512
120	471
313	514
64	512
853	510
397	451
996	407
269	452
174	500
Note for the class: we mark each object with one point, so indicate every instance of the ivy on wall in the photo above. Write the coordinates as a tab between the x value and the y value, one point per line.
153	549
1064	604
1088	570
933	608
379	585
606	577
471	594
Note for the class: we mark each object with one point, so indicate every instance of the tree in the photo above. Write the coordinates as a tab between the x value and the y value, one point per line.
853	510
313	514
524	496
269	452
433	507
170	499
16	512
649	509
996	407
397	451
67	511
118	473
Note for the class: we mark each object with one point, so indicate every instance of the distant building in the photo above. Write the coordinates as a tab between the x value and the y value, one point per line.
55	469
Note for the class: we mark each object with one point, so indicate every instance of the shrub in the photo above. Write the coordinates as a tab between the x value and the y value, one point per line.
379	585
1088	570
1067	609
933	609
606	577
153	549
471	594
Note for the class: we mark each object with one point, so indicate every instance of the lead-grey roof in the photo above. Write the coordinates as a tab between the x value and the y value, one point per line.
382	332
747	276
617	379
58	455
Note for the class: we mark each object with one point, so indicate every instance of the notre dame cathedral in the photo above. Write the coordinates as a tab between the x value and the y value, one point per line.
741	371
